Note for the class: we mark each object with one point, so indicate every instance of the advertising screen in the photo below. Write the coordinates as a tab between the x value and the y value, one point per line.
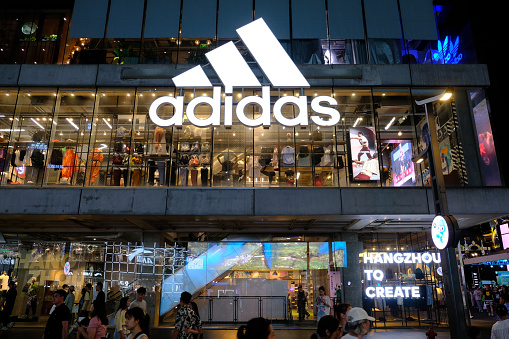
402	165
364	157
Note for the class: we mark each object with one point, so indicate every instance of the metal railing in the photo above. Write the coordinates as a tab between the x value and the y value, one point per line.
235	309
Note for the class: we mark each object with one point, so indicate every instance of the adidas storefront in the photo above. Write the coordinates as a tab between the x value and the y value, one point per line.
300	156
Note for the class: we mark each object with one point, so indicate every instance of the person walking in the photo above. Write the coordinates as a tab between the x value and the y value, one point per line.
87	300
500	330
256	328
488	300
137	322
323	304
120	330
10	299
328	328
302	300
357	323
101	296
58	321
141	292
478	298
69	301
186	319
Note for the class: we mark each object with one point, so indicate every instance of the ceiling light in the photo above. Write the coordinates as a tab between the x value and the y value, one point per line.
107	123
446	96
390	123
35	122
69	120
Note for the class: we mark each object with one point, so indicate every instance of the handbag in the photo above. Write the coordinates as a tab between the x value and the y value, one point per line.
317	135
137	160
204	159
185	147
205	147
194	161
117	147
184	160
195	147
138	148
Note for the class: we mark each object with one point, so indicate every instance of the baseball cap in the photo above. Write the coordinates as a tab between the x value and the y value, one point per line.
356	314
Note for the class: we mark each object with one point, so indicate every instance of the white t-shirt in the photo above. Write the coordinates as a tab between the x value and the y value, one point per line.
500	330
141	304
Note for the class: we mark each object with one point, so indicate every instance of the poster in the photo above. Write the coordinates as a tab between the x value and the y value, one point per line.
363	155
402	165
445	156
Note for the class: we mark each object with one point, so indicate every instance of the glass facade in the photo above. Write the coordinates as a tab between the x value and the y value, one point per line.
366	33
105	137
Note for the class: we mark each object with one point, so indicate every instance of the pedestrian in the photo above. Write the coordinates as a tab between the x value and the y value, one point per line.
357	323
137	322
10	299
256	328
87	301
58	321
322	303
96	329
141	292
478	298
120	331
302	300
197	333
101	297
31	304
69	300
186	319
328	328
488	300
500	330
341	312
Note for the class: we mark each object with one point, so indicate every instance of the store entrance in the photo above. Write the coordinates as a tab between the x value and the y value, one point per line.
234	282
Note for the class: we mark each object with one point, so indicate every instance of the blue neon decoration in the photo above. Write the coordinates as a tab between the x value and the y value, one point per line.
448	51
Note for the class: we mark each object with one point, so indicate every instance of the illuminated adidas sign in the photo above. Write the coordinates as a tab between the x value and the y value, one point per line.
233	71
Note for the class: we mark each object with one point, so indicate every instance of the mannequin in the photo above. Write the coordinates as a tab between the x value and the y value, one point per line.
33	289
97	157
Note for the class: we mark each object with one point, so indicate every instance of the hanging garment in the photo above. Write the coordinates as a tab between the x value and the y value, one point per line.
194	177
158	136
204	174
96	157
57	157
161	170
70	163
183	176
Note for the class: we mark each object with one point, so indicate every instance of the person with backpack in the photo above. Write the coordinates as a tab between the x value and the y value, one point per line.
137	322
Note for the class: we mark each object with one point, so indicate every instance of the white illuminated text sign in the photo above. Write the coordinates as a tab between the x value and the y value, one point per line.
395	258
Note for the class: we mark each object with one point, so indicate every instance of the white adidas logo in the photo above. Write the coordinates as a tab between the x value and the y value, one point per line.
233	71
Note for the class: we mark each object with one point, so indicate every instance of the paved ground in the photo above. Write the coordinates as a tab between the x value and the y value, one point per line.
33	330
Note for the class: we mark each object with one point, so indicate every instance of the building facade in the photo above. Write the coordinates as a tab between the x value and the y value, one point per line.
140	139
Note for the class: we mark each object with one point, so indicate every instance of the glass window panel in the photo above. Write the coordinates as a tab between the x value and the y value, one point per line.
114	132
125	19
396	136
31	133
9	128
68	148
355	108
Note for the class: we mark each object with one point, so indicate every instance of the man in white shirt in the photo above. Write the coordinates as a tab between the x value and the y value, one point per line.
500	330
139	302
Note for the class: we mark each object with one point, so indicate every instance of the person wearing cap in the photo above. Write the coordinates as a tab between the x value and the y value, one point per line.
357	323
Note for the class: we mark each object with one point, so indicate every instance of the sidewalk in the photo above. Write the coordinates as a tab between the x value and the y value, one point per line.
36	333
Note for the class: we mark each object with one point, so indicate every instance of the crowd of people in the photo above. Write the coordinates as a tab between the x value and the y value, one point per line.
495	301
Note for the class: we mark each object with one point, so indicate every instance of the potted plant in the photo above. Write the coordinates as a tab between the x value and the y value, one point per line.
124	53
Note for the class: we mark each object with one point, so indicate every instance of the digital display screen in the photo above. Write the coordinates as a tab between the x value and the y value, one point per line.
363	155
402	164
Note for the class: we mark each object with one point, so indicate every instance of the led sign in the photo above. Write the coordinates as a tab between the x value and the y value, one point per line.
233	71
448	51
395	258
